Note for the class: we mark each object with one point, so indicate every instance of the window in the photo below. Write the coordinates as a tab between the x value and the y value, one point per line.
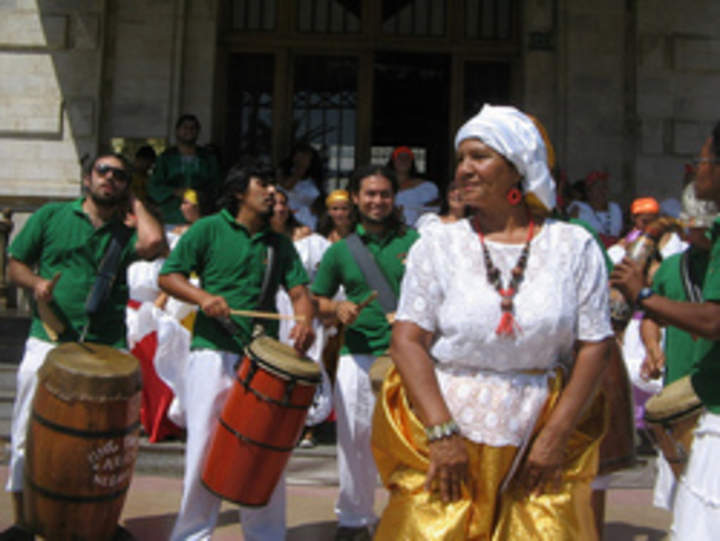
329	16
253	15
489	19
414	17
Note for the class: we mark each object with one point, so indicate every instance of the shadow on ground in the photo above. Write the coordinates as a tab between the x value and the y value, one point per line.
317	531
624	531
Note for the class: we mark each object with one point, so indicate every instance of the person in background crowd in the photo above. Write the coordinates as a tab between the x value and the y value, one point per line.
336	222
367	336
180	167
603	215
415	196
301	177
696	513
500	442
39	261
144	161
452	209
283	220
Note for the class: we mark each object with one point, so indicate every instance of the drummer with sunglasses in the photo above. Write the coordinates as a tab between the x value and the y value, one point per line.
228	250
56	256
696	513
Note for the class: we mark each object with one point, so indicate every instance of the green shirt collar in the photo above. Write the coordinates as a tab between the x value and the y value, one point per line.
225	213
364	234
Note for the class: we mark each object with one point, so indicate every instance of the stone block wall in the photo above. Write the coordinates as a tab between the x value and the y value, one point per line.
50	58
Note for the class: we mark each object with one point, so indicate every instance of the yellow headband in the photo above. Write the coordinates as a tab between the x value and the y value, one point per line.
191	196
337	196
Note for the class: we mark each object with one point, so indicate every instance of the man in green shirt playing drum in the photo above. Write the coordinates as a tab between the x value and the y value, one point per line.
679	277
696	513
56	256
229	252
367	336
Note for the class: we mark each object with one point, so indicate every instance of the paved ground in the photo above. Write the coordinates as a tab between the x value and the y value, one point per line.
153	500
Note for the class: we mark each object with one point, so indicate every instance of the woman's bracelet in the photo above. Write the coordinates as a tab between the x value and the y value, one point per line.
441	431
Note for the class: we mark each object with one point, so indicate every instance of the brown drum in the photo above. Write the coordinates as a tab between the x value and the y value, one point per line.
378	371
261	422
82	441
671	416
617	448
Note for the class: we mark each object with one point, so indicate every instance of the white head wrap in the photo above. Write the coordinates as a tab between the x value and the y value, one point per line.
511	133
696	212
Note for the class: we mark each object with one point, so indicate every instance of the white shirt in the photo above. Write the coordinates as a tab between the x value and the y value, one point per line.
483	376
300	198
606	222
413	200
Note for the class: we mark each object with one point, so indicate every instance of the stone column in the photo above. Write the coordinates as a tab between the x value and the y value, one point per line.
6	226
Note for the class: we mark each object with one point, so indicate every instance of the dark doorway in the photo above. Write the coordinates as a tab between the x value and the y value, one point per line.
411	107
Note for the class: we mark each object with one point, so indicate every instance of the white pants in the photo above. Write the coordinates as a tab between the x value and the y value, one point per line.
33	358
208	377
697	501
354	403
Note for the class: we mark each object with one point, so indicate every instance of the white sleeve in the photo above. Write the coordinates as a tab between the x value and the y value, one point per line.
420	292
591	280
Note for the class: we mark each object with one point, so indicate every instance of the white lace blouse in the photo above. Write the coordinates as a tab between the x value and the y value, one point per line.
495	386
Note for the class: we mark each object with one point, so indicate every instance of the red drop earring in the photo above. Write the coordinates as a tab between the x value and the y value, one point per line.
514	196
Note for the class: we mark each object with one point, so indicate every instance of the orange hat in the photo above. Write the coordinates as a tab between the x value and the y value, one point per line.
645	205
337	196
402	150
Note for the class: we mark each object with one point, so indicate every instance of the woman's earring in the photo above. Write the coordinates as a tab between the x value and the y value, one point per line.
514	196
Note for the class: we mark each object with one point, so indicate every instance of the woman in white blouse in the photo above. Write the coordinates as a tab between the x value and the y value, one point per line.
415	196
489	428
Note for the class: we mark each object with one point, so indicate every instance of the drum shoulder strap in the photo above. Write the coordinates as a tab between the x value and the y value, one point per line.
107	269
373	274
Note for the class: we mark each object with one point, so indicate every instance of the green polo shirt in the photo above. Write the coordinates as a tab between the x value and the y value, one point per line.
667	282
231	263
59	237
173	171
706	357
370	333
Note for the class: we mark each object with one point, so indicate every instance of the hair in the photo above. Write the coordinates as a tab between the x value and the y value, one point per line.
146	151
185	117
205	203
325	223
445	205
715	148
236	182
413	173
396	219
89	165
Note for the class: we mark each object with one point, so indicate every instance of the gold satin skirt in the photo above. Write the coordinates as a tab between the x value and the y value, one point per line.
401	454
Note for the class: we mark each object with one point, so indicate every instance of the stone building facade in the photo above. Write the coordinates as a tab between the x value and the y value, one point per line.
627	86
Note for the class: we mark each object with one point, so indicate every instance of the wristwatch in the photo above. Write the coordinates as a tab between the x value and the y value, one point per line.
643	294
444	430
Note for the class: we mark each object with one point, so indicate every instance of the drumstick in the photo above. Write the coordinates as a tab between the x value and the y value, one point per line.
373	295
51	323
266	315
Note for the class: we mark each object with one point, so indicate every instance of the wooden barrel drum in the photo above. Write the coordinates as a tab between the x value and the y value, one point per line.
82	442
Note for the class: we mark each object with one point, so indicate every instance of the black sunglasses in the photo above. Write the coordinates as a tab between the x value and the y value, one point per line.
103	169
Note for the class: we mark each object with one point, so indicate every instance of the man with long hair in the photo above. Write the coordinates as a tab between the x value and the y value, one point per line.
367	336
229	251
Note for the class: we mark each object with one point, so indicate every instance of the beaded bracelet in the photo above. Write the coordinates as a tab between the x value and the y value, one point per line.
441	431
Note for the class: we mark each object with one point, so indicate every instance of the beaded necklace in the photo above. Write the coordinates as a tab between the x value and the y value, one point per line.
507	324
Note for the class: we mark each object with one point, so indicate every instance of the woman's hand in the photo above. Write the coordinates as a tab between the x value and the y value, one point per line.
347	312
448	467
544	463
652	365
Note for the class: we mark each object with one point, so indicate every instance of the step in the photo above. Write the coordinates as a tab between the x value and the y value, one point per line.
8	377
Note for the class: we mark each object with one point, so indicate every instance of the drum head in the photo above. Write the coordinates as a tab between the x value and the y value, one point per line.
674	401
93	372
283	360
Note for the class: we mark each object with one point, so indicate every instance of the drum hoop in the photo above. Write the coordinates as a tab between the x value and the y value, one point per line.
284	374
669	419
118	433
251	441
285	402
77	499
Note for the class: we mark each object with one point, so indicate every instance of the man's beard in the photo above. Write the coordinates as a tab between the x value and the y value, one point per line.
108	201
382	221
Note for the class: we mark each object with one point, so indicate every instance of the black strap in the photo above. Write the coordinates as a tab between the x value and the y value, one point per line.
693	290
108	269
373	275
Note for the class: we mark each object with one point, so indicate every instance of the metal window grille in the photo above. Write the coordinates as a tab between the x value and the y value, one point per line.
414	17
489	19
324	111
329	16
254	15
